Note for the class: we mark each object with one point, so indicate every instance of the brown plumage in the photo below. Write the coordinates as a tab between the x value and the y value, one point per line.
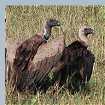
77	63
26	52
46	58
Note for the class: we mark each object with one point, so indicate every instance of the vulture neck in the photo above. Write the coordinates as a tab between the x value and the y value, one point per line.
83	38
47	30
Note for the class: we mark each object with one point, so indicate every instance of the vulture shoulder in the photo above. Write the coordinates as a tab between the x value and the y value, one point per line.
72	51
76	45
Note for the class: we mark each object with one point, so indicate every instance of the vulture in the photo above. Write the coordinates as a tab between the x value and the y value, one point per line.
76	64
25	54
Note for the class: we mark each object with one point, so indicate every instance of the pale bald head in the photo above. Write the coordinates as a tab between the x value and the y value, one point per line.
53	22
49	24
86	30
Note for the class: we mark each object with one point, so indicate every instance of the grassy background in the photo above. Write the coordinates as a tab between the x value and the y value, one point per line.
24	21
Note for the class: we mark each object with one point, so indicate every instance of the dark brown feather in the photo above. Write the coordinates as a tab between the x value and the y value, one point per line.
24	54
76	57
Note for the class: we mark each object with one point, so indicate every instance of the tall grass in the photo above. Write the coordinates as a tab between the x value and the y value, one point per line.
24	21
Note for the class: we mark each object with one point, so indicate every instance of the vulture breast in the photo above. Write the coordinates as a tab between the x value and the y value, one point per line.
48	55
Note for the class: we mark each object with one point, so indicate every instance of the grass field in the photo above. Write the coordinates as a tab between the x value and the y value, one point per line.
24	21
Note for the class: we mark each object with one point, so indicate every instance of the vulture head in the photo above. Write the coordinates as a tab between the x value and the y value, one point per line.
50	23
84	31
53	22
